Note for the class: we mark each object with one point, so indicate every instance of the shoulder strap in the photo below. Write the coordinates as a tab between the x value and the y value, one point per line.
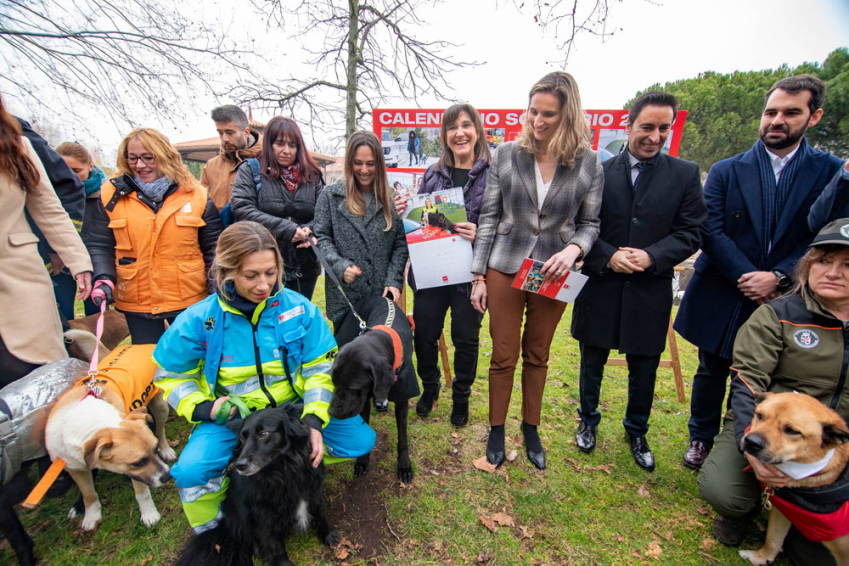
254	163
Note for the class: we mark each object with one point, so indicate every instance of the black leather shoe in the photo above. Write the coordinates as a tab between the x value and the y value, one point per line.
495	458
585	437
427	401
641	452
696	454
536	458
460	414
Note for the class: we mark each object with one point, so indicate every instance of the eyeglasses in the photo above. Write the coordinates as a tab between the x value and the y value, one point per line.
147	159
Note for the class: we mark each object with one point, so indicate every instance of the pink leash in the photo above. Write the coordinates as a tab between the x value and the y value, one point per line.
97	292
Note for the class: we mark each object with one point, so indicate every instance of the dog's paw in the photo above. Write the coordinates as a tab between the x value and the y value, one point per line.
755	557
92	517
72	514
150	518
360	467
167	453
406	474
333	538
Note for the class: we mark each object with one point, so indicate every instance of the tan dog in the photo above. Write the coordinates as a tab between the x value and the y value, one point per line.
109	430
800	436
115	329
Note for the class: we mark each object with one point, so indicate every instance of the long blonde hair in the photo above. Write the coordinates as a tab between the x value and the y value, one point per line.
235	243
168	160
353	199
572	138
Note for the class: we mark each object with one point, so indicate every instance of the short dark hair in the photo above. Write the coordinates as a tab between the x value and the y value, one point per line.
798	83
230	113
653	98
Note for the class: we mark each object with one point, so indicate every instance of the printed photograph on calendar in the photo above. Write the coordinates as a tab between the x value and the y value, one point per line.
439	255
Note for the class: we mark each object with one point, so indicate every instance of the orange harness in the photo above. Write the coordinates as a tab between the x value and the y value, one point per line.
397	346
128	371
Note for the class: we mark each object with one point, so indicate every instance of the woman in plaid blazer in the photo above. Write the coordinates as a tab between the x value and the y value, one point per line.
542	201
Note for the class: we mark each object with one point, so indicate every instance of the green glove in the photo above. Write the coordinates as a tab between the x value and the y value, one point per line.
224	410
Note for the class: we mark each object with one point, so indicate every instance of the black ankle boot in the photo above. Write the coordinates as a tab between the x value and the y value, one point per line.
495	446
460	414
428	399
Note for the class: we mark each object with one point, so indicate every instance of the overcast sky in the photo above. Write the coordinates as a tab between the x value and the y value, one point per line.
654	42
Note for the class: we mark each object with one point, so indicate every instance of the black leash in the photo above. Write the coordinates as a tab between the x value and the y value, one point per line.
329	273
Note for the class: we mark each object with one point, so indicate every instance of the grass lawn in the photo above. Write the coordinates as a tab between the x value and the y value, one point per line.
584	509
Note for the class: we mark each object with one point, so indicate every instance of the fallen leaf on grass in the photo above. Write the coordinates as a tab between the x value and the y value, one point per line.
620	538
503	519
635	553
483	464
643	491
483	557
434	472
512	455
654	550
146	561
342	554
173	443
527	532
703	510
667	535
518	440
707	544
488	523
574	463
604	468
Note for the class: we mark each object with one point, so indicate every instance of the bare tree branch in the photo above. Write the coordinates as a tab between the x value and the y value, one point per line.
116	55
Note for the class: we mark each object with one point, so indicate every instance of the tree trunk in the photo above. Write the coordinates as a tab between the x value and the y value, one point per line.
351	78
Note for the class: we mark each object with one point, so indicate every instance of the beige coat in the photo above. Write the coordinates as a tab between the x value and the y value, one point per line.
29	319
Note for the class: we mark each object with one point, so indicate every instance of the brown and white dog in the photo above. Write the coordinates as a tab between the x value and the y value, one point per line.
107	428
807	441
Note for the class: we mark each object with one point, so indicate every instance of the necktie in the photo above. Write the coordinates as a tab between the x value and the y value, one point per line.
639	167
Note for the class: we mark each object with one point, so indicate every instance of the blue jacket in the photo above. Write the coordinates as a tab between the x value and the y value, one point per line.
713	308
211	350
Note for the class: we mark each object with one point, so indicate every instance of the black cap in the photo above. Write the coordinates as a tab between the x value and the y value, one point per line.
835	232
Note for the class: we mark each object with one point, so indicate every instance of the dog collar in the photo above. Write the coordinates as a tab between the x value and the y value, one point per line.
798	470
397	345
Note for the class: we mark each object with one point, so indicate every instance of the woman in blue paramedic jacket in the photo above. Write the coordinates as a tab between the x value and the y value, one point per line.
205	359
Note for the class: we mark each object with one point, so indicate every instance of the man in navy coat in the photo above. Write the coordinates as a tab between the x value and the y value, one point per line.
758	203
652	218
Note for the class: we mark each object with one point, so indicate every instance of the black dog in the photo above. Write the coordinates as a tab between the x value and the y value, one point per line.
274	493
439	220
364	369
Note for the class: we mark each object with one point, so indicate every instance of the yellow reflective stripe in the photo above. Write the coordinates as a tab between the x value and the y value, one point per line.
78	224
162	374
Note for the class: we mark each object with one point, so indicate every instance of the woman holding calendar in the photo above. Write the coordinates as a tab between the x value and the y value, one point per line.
542	200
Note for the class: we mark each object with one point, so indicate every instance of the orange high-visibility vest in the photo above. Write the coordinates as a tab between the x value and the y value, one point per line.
168	273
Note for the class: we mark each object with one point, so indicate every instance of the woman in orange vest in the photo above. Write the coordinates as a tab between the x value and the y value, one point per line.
152	234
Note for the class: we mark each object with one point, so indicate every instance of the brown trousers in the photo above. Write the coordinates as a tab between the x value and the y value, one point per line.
506	307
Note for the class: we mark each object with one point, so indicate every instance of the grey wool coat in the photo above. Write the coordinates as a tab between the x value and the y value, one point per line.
512	227
346	239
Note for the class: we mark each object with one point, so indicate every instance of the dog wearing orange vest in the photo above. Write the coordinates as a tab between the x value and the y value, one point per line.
376	365
809	442
105	425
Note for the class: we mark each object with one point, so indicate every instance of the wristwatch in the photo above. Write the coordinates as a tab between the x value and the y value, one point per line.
784	281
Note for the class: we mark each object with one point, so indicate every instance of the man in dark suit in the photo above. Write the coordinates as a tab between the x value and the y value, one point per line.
758	203
652	218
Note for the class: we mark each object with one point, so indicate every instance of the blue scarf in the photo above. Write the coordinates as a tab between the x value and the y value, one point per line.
154	190
95	179
774	194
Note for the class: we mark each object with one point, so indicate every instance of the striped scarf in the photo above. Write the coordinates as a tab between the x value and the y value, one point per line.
774	194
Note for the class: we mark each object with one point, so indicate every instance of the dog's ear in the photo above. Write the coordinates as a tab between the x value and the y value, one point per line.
140	414
234	424
383	378
761	397
98	447
834	433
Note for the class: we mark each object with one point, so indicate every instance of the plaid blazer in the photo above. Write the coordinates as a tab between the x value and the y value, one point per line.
512	226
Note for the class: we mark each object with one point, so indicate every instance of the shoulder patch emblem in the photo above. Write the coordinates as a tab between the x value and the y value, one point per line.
209	324
806	338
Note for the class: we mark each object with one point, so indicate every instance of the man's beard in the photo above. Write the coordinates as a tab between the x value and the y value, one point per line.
790	139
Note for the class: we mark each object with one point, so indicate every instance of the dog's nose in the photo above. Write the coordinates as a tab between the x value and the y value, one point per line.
241	466
381	406
752	443
166	477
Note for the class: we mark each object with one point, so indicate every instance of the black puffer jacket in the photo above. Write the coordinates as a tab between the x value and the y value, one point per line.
100	239
282	212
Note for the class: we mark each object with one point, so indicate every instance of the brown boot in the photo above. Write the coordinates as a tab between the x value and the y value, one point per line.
731	532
